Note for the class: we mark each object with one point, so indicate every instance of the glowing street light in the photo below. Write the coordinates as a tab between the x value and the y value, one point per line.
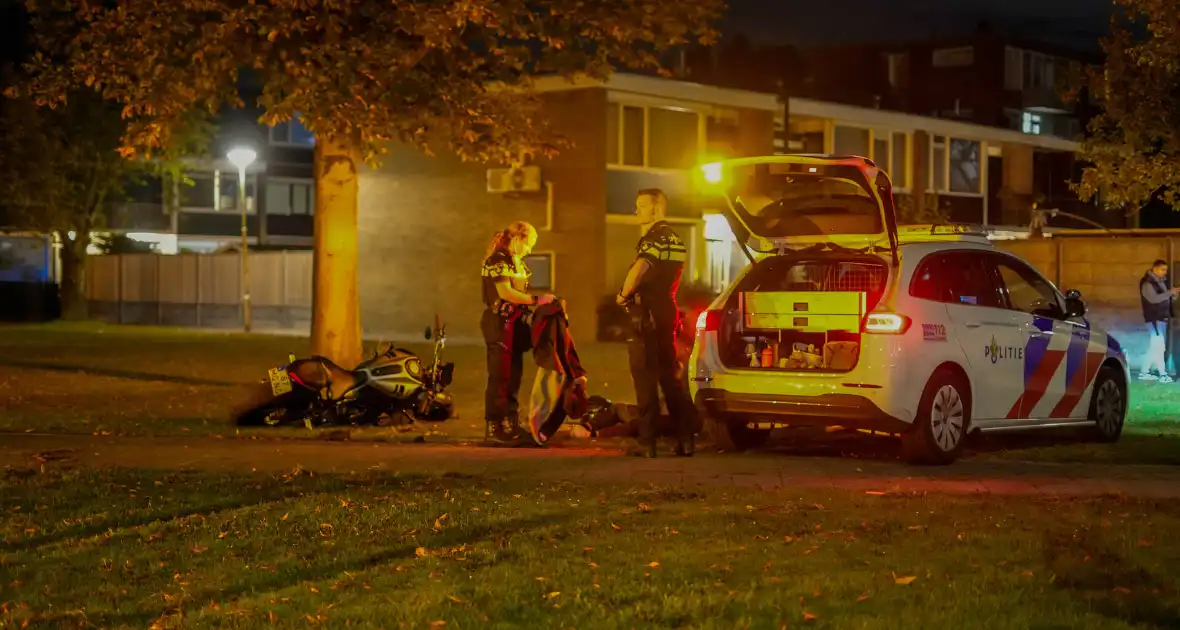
243	157
713	172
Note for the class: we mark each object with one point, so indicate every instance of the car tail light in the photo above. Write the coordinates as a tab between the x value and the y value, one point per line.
709	321
887	324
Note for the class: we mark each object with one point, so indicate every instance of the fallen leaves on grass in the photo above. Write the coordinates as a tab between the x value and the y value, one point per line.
907	579
553	594
808	616
653	564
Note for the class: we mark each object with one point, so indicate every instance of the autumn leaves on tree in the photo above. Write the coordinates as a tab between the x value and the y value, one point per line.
360	74
1133	145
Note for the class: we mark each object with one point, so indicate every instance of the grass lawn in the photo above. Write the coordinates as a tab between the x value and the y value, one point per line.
138	549
91	378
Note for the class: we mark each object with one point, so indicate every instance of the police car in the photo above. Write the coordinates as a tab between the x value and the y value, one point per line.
843	318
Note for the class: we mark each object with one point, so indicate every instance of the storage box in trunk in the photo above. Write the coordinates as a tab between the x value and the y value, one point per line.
803	311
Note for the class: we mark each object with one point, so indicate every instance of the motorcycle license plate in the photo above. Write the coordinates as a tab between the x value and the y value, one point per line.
280	382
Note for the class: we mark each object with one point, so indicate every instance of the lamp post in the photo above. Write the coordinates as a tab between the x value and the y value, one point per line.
242	158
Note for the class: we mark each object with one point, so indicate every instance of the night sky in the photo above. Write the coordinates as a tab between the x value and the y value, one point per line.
1074	23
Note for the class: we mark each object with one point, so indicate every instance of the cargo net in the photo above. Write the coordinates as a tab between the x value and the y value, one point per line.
830	277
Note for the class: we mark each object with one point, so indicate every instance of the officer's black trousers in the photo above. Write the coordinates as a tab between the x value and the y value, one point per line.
652	350
507	341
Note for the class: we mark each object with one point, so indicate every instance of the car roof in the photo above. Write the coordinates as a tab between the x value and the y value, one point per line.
818	158
923	248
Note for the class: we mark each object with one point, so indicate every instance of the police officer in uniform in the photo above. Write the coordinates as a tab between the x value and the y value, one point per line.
505	326
649	292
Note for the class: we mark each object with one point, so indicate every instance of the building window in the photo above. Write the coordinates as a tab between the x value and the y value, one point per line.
953	57
881	151
291	133
851	141
227	191
965	170
542	267
938	164
290	198
632	139
216	191
1013	69
886	149
899	171
200	194
672	138
956	165
652	137
1030	123
897	64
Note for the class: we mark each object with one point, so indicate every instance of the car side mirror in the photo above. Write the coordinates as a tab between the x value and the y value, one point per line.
1074	306
428	332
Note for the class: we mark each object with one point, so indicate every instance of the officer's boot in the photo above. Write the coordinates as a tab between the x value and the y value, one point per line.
503	431
686	445
643	448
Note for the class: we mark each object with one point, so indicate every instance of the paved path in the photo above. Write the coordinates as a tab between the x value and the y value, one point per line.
750	469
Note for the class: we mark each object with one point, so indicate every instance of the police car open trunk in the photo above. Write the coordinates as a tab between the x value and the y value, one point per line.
821	234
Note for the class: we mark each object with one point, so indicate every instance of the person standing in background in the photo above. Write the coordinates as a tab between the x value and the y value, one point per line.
1156	298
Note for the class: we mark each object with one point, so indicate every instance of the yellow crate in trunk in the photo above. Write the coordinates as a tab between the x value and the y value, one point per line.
808	311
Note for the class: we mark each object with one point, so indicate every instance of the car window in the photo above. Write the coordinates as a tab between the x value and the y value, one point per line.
955	278
1025	290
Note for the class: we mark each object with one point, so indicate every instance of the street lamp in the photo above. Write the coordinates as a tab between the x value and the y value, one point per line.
243	157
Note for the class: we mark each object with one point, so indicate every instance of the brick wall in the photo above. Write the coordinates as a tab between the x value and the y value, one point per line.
425	223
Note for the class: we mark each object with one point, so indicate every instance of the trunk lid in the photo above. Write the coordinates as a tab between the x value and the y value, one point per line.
779	203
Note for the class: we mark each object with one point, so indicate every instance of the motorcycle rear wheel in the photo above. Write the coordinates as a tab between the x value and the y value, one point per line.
264	409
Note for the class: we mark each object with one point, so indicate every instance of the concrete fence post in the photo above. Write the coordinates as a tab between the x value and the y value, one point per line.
1169	340
198	277
159	290
119	288
1060	257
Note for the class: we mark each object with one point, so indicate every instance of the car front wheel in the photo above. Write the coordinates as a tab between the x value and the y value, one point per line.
944	417
1108	405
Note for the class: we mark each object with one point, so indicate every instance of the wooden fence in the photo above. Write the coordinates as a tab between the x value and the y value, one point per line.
204	289
201	290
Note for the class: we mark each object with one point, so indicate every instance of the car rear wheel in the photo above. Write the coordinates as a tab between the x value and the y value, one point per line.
944	417
733	435
1108	405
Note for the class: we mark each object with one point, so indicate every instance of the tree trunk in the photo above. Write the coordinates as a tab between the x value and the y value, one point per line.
335	308
74	306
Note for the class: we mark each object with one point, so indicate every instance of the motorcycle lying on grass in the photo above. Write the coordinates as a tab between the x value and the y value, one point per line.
391	388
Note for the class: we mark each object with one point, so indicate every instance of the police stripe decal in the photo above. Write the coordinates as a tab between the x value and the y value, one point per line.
1038	382
1077	385
1075	355
1083	356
